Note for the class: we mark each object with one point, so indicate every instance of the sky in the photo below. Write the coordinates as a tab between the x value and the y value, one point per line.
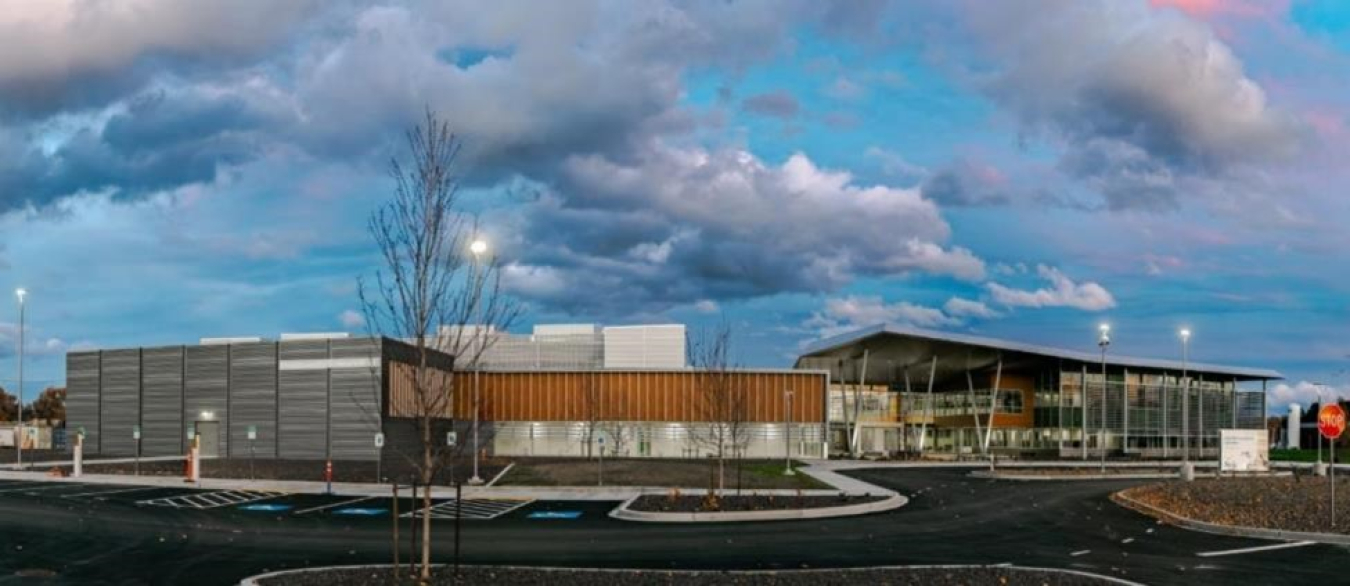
177	169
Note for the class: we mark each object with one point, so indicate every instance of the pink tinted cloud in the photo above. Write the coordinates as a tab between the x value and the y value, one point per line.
1205	9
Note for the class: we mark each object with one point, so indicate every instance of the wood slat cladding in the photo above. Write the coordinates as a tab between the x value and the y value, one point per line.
624	395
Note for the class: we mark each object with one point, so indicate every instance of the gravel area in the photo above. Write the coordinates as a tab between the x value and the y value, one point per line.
754	474
689	503
269	469
1287	503
527	577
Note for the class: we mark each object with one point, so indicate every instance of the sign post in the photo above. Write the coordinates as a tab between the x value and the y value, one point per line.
252	435
1331	424
136	435
379	453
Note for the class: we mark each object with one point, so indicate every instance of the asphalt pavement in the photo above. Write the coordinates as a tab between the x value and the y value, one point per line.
101	534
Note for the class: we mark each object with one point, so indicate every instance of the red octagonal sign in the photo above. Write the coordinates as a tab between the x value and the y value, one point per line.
1331	421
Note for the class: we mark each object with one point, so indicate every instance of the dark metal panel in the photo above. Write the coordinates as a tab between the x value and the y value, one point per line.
253	399
120	401
355	348
303	401
162	396
207	380
82	392
355	413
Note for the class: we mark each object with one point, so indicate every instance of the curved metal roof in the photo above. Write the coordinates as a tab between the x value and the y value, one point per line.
841	341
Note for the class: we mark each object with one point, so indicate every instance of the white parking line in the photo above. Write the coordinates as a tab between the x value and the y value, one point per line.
103	492
1288	545
1080	552
312	509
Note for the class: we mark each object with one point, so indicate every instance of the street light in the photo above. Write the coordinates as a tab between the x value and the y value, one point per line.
21	293
478	247
1186	395
1103	340
787	427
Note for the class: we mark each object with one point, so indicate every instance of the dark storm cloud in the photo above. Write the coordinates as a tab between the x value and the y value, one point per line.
1147	104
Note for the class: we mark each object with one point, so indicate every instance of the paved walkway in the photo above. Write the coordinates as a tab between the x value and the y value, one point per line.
46	464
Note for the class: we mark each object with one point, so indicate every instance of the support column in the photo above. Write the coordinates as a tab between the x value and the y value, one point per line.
1125	413
904	440
923	433
993	403
1082	388
857	407
1165	408
974	409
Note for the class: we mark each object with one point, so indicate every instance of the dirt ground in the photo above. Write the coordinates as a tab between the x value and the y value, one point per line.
754	474
1299	503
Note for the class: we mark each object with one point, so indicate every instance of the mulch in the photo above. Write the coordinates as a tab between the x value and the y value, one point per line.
1298	503
528	577
697	503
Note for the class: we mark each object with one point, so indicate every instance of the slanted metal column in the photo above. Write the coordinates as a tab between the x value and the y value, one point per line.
1082	389
857	407
1165	408
923	433
1125	413
974	409
904	441
993	403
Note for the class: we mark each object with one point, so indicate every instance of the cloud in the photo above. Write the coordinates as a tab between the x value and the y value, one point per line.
960	307
73	53
673	225
776	104
1304	393
848	313
895	164
352	319
1063	292
967	183
34	345
706	306
1147	107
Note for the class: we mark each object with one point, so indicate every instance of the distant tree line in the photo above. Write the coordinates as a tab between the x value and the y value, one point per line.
50	406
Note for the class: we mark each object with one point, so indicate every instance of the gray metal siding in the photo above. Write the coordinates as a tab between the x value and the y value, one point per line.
355	413
162	431
82	391
208	376
253	399
120	401
303	399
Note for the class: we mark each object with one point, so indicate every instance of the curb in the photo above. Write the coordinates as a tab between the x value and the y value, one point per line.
1230	530
254	580
1034	477
624	513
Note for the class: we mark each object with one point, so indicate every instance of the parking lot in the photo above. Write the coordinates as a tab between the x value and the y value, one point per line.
239	501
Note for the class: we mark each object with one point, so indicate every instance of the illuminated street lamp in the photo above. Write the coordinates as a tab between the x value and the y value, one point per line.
21	293
478	247
1186	395
1103	340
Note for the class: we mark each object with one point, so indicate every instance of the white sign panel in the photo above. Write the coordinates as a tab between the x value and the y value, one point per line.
379	440
1244	450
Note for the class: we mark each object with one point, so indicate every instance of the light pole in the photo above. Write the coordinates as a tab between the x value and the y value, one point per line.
477	247
787	428
21	294
1103	340
1185	395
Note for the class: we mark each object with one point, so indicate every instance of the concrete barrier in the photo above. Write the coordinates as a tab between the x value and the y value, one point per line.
625	513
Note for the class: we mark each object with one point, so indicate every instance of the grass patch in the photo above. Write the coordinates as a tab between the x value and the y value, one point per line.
1304	455
653	472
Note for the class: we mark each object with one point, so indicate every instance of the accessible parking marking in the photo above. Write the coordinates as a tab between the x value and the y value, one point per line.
1288	545
211	500
36	486
99	493
338	504
471	509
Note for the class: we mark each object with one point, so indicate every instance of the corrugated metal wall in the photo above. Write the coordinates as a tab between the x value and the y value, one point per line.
303	398
207	388
354	401
253	399
120	401
162	401
82	392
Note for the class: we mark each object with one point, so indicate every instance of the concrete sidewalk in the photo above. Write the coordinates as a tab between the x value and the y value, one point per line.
566	493
56	463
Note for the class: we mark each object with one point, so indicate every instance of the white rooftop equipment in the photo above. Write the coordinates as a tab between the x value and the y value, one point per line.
1293	426
646	346
228	341
295	337
566	329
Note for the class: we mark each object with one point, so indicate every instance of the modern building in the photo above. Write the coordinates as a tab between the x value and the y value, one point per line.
560	391
899	390
306	396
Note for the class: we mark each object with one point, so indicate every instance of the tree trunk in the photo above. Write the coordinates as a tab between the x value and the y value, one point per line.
425	573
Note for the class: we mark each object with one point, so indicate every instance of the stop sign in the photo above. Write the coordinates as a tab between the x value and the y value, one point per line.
1331	421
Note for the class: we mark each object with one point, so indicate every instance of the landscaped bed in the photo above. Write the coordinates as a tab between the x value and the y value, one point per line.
270	469
753	474
1090	471
528	577
701	503
1298	503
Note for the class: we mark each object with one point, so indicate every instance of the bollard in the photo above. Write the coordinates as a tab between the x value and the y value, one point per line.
79	456
328	475
1188	471
1319	469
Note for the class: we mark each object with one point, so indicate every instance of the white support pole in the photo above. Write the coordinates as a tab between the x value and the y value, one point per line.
904	441
1165	408
993	403
923	432
79	456
857	407
1082	388
974	408
1125	413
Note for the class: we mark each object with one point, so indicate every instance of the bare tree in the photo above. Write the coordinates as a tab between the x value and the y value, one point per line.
604	412
593	405
430	278
721	402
